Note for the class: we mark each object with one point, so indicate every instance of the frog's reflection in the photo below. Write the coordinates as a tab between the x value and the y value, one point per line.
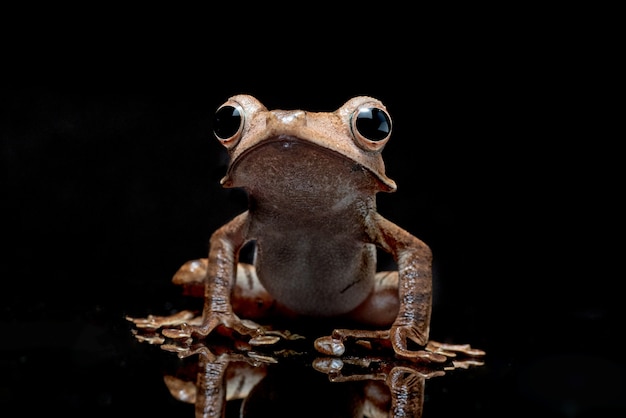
287	388
222	375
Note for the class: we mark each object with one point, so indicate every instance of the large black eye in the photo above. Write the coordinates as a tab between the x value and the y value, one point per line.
228	122
371	127
373	123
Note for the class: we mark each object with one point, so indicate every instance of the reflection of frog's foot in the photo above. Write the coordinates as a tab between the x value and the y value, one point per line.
329	365
185	349
404	381
373	368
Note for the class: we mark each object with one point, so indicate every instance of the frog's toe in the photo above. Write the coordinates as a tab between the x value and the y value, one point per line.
176	333
451	350
264	340
329	346
428	356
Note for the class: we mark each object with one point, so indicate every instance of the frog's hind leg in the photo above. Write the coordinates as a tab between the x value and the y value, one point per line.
249	298
382	305
191	276
379	310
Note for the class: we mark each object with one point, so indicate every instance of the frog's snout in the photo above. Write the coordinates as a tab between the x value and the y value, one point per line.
292	118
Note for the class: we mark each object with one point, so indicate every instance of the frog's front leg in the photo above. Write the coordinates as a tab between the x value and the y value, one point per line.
225	244
414	293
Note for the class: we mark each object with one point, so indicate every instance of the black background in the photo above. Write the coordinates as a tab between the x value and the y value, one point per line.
501	153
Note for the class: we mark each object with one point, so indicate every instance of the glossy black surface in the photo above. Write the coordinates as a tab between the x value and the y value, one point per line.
110	177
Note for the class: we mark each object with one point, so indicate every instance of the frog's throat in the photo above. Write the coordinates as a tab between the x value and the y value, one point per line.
375	167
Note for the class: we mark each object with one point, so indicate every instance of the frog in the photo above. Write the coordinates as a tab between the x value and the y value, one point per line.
311	180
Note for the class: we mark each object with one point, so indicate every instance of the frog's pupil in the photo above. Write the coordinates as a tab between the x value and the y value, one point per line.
226	122
373	123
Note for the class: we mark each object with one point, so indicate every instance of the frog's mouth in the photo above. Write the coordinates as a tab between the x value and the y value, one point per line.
305	159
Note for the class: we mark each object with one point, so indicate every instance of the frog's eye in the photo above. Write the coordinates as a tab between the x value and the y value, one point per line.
228	123
371	127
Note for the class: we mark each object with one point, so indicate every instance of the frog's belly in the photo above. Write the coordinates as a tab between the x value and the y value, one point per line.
317	280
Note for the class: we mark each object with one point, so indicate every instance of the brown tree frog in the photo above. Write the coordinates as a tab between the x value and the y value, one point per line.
312	180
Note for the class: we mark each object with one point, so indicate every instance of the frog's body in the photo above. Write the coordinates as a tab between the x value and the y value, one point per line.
308	226
312	179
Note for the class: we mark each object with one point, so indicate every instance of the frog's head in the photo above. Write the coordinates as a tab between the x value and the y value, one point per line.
357	131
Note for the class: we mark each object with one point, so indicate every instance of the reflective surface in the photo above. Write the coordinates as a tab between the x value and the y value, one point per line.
223	374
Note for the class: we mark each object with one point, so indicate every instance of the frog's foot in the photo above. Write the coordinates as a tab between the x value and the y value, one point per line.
226	322
334	345
451	350
463	356
185	331
153	322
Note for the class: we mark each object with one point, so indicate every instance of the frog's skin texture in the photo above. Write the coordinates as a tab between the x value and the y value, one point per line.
312	180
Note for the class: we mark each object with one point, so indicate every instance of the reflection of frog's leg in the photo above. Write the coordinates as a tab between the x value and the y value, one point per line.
241	378
401	394
182	390
402	397
377	399
229	375
211	387
407	392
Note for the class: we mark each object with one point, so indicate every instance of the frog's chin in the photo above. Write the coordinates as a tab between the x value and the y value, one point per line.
291	155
